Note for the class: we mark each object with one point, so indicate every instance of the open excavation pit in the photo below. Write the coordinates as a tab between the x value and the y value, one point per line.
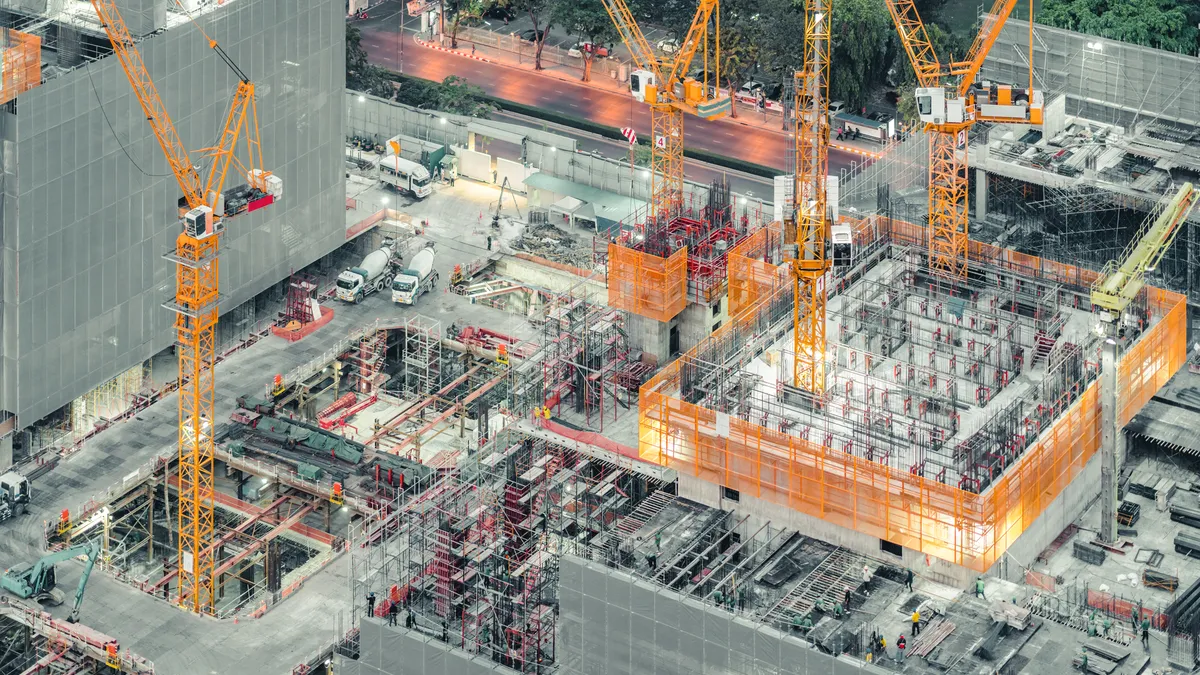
953	414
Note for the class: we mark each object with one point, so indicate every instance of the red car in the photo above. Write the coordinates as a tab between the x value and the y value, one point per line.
595	50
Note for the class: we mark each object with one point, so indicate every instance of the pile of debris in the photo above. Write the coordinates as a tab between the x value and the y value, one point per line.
554	243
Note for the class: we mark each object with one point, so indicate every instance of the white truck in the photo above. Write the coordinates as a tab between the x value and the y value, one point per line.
374	273
405	176
15	494
417	279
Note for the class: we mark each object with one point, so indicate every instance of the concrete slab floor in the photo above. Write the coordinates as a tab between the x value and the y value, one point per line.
175	641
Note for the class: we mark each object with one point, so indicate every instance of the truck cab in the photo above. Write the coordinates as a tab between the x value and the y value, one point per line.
406	287
15	494
351	283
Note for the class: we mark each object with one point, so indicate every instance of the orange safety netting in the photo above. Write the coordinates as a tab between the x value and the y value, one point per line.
22	63
645	284
750	276
958	526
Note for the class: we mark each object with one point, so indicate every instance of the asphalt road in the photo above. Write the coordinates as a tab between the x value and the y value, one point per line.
381	39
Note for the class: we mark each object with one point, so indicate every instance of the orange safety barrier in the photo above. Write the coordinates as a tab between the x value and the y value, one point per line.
751	277
965	528
645	284
22	63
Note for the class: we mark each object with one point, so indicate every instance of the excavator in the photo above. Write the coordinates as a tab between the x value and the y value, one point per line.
36	582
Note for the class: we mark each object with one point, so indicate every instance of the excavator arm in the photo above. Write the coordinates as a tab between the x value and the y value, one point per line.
913	36
152	105
93	552
35	579
993	22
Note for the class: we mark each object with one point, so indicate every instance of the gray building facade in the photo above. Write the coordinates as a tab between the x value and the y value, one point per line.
89	203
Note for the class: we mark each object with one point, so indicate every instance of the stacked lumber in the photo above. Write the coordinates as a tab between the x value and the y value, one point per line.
931	636
1010	614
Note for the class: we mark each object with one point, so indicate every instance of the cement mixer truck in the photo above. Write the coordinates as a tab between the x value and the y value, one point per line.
374	273
417	279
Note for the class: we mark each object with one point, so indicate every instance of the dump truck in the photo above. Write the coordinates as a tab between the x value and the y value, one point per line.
417	279
374	273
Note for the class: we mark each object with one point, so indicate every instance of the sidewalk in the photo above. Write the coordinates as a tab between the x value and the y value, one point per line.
472	47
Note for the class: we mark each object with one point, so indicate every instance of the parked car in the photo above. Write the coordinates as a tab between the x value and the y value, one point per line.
500	13
668	46
578	50
836	107
532	35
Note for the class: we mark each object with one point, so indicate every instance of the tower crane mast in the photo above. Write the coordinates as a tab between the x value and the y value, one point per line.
949	102
810	210
663	84
197	287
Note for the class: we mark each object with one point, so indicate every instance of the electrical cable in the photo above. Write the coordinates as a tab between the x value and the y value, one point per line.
137	166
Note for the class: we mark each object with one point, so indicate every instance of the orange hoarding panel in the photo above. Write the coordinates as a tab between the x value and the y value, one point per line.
645	284
22	63
962	527
750	276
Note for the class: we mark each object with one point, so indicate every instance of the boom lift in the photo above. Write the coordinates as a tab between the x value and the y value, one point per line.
1119	284
662	82
949	102
809	200
37	581
204	206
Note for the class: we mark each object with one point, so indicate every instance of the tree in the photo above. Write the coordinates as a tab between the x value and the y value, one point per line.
451	95
536	9
1162	24
360	74
460	10
588	20
861	33
740	38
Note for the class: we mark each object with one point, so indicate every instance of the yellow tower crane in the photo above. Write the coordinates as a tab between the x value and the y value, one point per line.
949	102
810	211
663	83
197	287
1118	286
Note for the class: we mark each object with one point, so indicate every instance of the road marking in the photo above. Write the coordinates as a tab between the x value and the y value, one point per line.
572	105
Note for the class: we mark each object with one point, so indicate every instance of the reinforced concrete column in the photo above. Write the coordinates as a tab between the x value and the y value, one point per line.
1109	440
981	194
6	452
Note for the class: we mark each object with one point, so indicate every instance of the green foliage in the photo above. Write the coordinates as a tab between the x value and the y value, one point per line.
862	31
741	35
452	95
1163	24
360	74
462	12
588	21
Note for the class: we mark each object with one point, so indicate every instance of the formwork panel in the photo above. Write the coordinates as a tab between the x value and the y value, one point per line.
645	284
960	526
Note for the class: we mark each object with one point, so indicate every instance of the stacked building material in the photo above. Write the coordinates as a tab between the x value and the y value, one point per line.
1093	555
1128	514
932	636
1185	514
1156	579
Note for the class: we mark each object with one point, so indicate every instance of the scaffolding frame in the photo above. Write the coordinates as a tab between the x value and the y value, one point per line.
702	416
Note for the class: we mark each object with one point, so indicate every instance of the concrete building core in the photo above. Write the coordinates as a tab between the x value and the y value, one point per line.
953	414
90	204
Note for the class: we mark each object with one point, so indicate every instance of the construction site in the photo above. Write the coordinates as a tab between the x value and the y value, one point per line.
526	409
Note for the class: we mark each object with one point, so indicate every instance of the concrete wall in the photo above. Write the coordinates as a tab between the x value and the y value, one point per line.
387	650
611	622
88	211
1109	84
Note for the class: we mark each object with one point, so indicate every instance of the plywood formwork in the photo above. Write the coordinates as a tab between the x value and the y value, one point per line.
968	528
646	284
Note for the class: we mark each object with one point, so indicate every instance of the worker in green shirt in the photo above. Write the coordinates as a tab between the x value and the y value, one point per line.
1083	661
802	623
718	597
1146	633
979	588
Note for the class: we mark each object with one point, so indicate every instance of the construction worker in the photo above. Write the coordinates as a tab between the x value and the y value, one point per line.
979	588
718	597
652	562
900	645
1083	661
393	610
866	578
846	599
916	620
658	541
371	603
1145	633
908	579
802	623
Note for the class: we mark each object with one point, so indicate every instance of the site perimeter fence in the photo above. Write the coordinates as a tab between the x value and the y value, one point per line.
965	528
